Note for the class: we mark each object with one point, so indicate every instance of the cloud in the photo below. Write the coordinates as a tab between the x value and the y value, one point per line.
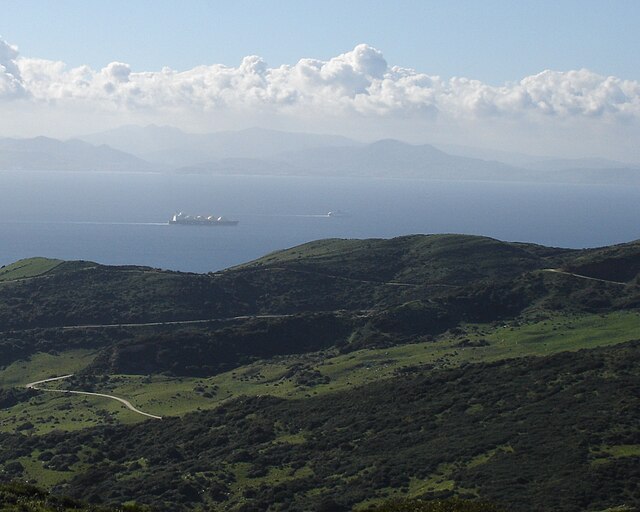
358	84
10	80
357	81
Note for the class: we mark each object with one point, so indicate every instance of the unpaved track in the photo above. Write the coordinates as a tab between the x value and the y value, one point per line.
364	312
126	403
172	322
346	278
558	271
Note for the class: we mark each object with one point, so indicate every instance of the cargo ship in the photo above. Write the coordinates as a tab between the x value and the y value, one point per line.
201	220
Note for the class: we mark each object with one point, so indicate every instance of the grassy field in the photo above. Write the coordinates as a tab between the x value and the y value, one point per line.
283	377
44	476
51	411
294	376
30	267
43	366
441	479
478	343
604	454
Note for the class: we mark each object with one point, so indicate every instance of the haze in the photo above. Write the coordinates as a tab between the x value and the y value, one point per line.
543	80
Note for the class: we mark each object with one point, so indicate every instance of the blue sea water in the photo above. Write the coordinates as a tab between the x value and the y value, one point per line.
122	218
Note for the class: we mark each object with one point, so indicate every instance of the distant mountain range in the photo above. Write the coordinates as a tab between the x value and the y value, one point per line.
533	162
270	152
384	158
44	154
171	146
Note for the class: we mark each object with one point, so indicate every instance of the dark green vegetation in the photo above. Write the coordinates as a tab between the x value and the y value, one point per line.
382	291
515	432
452	505
333	375
18	497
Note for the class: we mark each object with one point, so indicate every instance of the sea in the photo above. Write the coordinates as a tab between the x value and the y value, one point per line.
122	218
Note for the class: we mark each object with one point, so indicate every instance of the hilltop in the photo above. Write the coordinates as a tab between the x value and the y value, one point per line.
417	259
348	293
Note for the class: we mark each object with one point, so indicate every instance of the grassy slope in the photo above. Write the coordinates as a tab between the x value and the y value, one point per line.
320	276
617	263
49	412
31	267
43	366
147	294
429	257
297	376
450	259
78	293
520	432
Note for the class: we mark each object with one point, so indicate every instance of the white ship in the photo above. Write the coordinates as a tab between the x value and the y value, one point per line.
201	220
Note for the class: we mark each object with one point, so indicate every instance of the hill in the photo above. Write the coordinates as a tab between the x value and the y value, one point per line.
169	145
358	293
521	433
418	259
335	374
75	293
46	154
271	152
392	158
384	158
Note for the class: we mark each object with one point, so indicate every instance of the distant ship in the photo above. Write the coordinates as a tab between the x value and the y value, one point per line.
201	220
338	213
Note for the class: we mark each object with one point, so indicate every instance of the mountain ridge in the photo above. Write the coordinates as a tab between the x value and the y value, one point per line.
158	143
269	152
44	153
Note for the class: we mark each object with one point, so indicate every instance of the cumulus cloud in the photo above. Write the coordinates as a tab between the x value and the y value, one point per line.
10	80
359	83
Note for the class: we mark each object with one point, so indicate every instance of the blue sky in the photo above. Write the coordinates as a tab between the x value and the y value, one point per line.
557	77
489	40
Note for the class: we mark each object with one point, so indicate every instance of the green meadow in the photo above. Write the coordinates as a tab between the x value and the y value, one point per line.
30	267
288	376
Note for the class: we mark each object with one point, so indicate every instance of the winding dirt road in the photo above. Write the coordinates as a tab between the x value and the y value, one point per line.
126	403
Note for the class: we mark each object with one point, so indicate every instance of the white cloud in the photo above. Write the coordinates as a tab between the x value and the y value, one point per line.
358	84
10	80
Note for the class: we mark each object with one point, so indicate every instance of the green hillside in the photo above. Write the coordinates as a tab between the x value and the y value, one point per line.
522	433
418	259
333	375
320	276
617	263
19	497
31	267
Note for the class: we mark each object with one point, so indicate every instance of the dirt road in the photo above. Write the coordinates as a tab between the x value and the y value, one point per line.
126	403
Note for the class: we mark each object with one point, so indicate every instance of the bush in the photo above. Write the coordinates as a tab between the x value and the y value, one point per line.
452	505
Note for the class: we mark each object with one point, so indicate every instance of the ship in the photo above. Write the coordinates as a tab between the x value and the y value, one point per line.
201	220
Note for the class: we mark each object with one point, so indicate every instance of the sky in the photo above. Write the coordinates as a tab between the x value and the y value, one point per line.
543	77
